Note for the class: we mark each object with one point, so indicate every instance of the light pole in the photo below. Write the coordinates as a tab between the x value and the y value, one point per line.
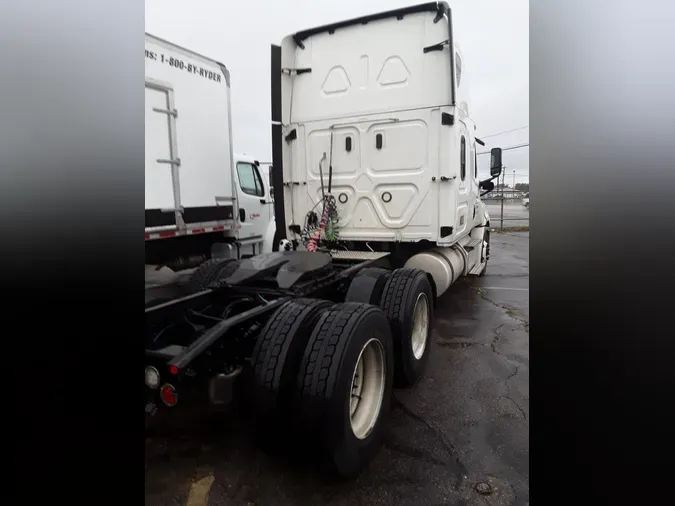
502	199
514	179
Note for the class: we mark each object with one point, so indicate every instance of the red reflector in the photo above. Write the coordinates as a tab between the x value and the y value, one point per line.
173	369
220	227
147	236
198	230
167	234
168	394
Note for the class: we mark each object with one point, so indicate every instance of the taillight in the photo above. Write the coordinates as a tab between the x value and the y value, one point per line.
168	395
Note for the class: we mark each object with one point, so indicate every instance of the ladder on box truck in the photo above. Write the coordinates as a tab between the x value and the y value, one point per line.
378	213
200	197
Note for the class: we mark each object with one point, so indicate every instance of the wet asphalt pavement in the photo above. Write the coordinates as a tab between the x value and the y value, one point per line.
464	423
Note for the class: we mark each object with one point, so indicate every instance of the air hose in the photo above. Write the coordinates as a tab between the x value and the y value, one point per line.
328	224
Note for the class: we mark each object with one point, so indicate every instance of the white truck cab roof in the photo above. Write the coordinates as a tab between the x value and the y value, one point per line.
243	157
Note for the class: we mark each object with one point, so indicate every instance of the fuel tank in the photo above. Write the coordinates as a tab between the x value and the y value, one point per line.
445	265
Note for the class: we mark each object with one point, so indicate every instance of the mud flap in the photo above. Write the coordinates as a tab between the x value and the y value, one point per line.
221	388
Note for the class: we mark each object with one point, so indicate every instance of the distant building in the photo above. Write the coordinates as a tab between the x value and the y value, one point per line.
506	194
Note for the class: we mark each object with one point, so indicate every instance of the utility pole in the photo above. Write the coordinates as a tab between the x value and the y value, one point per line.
514	179
503	184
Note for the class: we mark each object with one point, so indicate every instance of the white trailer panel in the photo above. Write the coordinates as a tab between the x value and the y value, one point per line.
189	158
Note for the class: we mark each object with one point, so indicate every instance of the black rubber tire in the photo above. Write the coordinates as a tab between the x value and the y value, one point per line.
275	363
367	286
207	273
398	303
487	252
325	380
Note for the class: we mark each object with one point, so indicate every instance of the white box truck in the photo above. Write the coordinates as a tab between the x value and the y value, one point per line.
200	197
378	212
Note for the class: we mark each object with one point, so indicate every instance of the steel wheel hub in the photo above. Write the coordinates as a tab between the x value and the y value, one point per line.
367	389
420	327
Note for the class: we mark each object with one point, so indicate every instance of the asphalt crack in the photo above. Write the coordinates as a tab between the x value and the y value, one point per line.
493	343
460	468
516	370
510	312
508	393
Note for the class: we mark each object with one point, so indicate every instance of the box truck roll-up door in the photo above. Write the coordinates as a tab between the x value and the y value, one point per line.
160	199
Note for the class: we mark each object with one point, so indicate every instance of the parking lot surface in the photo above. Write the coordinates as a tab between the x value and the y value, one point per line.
462	430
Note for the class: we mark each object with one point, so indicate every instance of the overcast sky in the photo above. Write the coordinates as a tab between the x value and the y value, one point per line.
493	34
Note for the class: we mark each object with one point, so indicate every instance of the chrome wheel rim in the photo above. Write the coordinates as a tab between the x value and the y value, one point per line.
420	327
367	389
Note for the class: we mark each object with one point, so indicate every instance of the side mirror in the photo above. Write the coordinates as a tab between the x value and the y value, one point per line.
488	186
257	163
495	162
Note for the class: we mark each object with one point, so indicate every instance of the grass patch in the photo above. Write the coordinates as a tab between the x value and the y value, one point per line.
511	229
512	314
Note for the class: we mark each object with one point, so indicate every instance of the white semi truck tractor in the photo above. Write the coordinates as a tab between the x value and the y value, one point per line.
378	212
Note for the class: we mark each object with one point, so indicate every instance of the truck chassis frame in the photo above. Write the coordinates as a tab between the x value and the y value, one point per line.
218	341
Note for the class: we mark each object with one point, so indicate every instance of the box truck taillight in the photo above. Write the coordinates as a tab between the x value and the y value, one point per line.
168	395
